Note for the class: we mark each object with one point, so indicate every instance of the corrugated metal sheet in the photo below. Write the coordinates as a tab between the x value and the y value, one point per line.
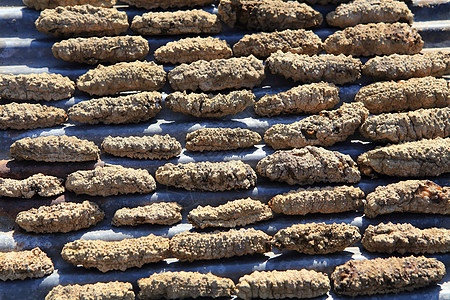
25	50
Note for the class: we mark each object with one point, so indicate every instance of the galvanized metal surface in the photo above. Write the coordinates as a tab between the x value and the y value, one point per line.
25	50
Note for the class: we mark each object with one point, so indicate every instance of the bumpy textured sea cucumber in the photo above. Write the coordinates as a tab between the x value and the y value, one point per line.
405	238
381	275
82	20
309	165
163	213
37	87
208	176
116	255
40	184
96	50
231	214
122	77
190	246
268	15
29	116
283	284
189	50
44	4
411	94
412	159
324	200
317	238
209	105
180	285
117	110
111	180
217	139
218	74
308	98
375	39
63	217
265	43
54	149
408	126
324	129
325	2
142	147
24	264
369	11
400	66
105	291
338	69
164	4
178	22
417	196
